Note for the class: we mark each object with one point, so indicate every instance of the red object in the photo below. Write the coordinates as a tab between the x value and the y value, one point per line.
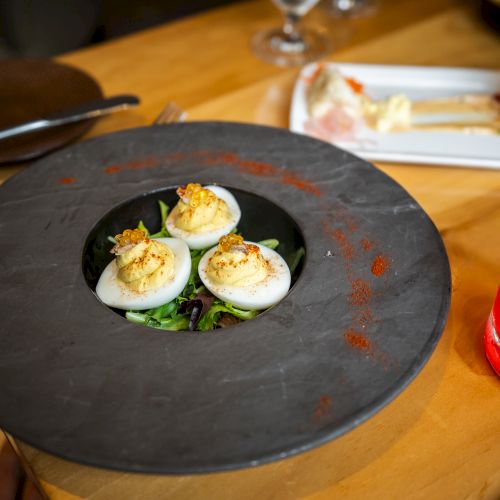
492	335
355	85
380	265
357	340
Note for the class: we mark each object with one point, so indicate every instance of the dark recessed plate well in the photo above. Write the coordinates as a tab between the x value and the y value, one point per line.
81	382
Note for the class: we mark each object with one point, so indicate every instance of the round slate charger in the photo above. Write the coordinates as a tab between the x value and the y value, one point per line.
361	320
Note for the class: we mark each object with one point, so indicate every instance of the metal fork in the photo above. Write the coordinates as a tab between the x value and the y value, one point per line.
171	113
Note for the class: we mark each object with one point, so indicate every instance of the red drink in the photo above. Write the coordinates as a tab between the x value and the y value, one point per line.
492	335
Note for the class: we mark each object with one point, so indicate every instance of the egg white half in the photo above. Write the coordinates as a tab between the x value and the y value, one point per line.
206	239
114	293
262	295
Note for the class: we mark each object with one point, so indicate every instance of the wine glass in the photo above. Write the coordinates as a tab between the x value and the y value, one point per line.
291	45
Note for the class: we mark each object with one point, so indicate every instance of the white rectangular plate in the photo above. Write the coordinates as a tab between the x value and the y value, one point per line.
439	148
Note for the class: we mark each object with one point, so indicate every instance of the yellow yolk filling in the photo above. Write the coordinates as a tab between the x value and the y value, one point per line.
199	210
147	265
237	263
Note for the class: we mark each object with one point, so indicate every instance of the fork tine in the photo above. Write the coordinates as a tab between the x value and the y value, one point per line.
170	113
164	115
181	115
178	114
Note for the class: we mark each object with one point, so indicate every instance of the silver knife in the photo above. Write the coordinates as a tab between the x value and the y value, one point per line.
85	111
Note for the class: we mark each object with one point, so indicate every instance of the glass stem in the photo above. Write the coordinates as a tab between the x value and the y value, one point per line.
290	27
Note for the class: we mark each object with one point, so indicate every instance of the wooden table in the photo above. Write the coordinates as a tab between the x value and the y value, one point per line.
441	437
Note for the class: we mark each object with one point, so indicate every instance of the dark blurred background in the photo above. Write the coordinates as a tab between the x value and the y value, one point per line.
44	28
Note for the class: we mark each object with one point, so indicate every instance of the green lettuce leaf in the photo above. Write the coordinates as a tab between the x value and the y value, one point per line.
270	243
209	320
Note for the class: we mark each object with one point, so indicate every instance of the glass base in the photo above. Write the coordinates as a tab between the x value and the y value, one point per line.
352	8
275	47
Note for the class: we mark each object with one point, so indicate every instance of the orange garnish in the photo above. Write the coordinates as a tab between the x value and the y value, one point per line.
317	72
230	240
130	236
355	85
195	194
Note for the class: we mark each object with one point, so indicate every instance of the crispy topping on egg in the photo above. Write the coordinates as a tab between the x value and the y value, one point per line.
231	240
195	194
142	264
199	209
237	263
127	238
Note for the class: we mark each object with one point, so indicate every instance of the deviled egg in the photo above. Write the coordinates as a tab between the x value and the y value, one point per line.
248	275
203	215
146	273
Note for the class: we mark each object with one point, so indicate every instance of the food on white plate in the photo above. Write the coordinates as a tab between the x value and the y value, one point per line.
392	114
332	95
248	275
145	273
466	113
329	89
339	109
203	215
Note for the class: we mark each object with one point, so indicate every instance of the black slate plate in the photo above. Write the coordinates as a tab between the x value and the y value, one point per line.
79	381
35	88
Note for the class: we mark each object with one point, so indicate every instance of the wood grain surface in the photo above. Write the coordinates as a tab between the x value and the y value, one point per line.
441	437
